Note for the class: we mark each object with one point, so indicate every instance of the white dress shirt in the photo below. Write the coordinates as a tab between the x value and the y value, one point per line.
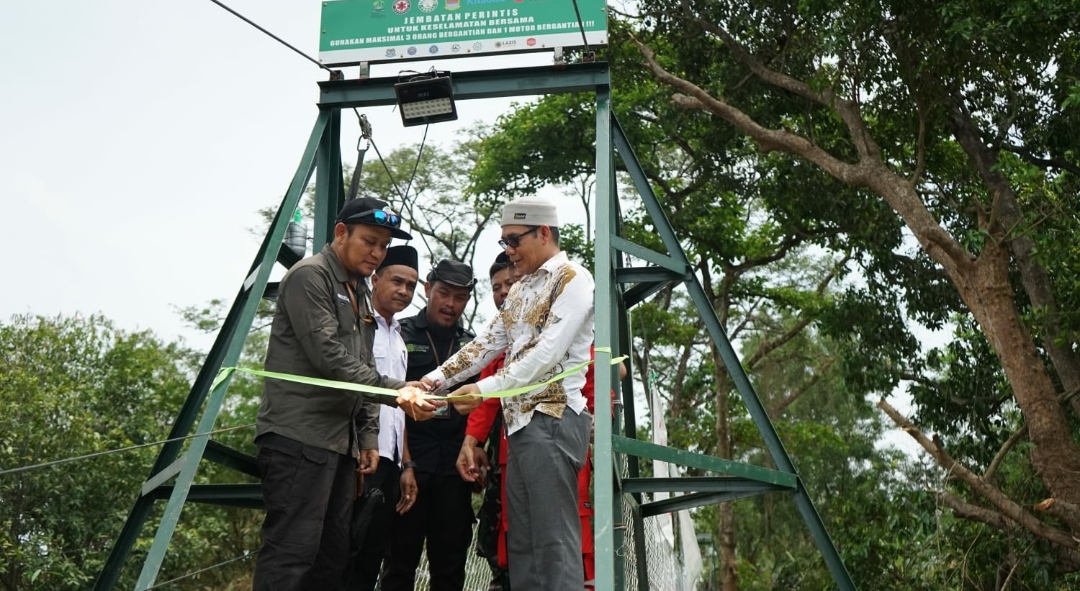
391	359
546	323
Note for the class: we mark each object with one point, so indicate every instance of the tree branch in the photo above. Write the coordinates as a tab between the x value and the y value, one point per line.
767	139
847	109
1006	507
782	406
1043	163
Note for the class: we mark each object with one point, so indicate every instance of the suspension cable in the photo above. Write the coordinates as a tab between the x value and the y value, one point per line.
122	449
273	36
581	26
247	554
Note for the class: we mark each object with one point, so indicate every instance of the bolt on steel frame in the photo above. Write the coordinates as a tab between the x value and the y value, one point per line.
618	288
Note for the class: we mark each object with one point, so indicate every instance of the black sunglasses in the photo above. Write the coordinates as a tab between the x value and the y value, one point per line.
515	241
379	216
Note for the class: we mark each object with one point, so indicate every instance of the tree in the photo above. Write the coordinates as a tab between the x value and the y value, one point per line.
953	115
752	251
79	385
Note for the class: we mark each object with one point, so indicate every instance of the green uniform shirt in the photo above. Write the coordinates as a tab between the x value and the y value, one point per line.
316	333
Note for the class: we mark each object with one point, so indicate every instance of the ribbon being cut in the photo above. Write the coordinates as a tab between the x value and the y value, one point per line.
420	394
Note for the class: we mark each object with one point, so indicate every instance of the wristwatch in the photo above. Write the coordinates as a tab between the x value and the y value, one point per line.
407	465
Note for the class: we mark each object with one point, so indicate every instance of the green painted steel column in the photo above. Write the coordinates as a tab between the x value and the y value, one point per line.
329	185
256	283
604	504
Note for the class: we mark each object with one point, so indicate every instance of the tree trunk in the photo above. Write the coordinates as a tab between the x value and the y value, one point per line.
983	285
988	295
1035	279
729	563
729	566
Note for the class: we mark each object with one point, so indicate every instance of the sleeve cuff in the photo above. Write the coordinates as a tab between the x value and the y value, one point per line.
437	376
369	441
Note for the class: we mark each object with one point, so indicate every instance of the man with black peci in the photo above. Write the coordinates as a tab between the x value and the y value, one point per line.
442	515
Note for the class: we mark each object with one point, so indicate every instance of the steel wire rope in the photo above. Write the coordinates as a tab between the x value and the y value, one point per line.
581	27
119	450
247	554
273	36
386	167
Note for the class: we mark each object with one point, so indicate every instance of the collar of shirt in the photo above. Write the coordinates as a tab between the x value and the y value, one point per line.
394	325
340	276
538	276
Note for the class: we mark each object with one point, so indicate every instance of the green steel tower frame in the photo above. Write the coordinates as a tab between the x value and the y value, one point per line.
617	490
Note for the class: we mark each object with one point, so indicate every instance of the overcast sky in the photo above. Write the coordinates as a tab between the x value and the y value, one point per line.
138	139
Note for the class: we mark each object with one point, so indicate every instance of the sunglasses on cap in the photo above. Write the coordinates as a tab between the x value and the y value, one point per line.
378	217
513	241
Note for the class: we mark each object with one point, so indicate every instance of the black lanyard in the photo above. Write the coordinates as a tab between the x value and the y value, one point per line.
435	351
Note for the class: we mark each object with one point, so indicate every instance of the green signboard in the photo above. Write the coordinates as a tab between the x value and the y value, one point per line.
355	31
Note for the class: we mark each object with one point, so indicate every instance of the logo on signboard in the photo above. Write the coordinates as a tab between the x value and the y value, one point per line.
530	41
429	5
433	49
507	43
412	51
476	46
391	53
402	6
453	4
455	48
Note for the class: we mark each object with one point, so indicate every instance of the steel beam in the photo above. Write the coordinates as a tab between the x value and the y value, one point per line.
647	275
690	459
701	484
248	496
643	291
219	453
605	505
478	84
692	501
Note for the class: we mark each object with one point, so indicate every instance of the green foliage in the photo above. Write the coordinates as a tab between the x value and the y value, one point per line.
79	385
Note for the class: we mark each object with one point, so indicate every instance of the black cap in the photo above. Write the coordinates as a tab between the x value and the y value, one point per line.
373	212
452	273
502	261
400	255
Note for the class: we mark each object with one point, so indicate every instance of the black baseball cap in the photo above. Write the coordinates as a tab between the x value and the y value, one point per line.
452	273
373	212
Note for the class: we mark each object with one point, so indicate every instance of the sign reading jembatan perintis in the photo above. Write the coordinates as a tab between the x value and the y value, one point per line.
355	31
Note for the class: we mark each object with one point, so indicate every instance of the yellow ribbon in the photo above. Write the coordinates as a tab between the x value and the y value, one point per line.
226	371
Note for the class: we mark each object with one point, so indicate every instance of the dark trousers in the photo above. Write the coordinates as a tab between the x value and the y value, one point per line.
443	516
308	493
367	559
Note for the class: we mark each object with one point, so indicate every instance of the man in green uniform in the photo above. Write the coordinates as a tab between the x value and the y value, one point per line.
310	437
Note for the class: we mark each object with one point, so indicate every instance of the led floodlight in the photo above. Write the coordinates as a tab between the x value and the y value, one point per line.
428	98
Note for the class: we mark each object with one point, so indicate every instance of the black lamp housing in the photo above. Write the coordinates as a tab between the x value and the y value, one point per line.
426	98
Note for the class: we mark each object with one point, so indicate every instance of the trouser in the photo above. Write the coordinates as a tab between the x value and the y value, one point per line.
366	560
544	537
443	516
308	494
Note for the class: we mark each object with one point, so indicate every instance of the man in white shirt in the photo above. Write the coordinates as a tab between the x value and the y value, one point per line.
546	327
393	485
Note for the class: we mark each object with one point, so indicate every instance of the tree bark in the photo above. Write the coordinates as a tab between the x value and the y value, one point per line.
729	565
1035	279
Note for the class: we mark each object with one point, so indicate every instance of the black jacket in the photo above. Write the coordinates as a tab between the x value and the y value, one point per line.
434	444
